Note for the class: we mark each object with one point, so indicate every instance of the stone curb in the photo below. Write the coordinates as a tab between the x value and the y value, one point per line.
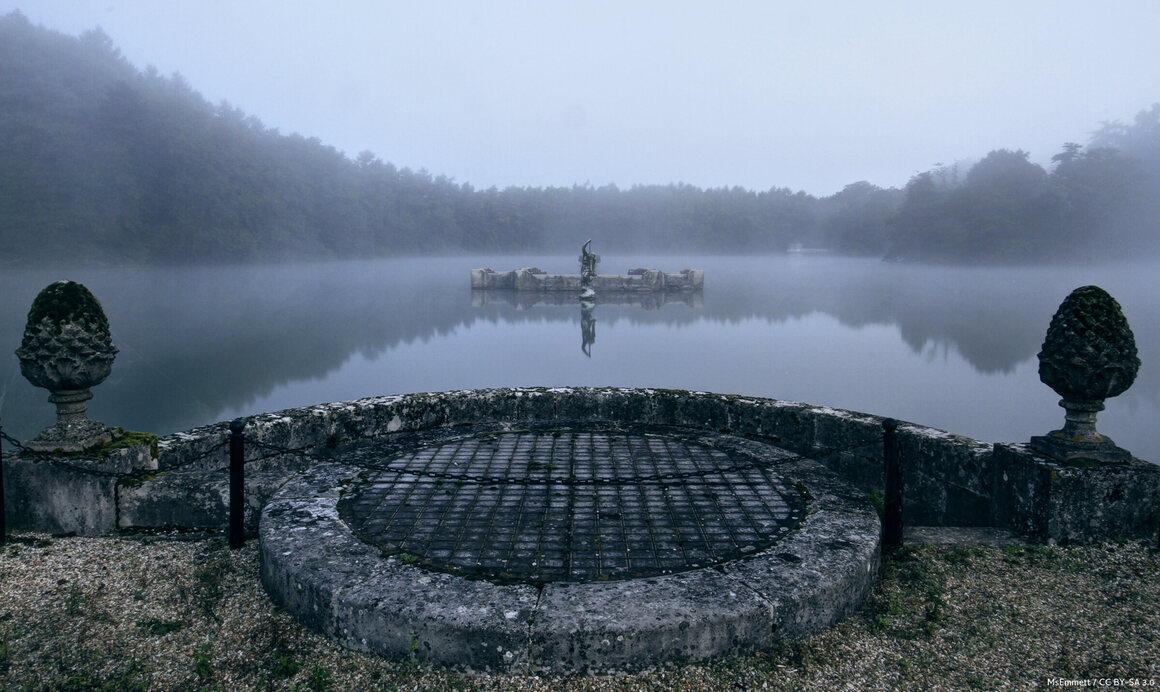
313	566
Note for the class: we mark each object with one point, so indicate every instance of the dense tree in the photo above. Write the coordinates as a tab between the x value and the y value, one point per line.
1008	209
1099	191
856	218
1137	220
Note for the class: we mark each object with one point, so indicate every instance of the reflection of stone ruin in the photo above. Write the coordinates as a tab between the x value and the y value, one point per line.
523	300
647	288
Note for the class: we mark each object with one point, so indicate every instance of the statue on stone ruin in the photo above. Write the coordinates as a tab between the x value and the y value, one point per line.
588	262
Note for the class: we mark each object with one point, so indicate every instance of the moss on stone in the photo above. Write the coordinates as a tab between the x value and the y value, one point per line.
128	438
1086	463
121	439
1089	352
139	477
67	301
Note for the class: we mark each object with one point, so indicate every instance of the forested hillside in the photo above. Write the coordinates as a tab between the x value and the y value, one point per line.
101	162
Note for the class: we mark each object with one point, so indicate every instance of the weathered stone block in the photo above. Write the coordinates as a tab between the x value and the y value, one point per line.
1046	499
68	495
196	498
623	625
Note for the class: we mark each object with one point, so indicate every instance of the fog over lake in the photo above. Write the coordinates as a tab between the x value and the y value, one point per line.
950	347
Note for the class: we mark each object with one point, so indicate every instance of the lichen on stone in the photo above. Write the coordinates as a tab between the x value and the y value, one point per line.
67	301
1089	352
67	344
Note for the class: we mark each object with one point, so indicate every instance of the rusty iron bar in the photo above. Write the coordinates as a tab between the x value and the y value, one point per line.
892	514
237	483
3	528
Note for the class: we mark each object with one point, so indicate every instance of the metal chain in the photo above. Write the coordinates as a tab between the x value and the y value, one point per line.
62	462
576	481
21	449
274	451
196	458
277	451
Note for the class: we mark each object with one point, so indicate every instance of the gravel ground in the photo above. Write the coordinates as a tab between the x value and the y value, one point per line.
172	612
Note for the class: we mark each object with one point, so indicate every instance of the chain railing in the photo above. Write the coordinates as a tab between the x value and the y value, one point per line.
571	480
3	512
892	508
237	441
237	483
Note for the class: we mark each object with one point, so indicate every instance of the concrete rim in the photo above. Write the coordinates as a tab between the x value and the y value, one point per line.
317	569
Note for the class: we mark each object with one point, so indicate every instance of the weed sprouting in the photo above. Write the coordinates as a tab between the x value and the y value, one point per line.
208	580
878	500
413	647
160	627
77	601
285	665
5	652
202	662
320	678
795	652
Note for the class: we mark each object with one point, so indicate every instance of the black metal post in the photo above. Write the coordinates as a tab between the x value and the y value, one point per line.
237	483
3	528
892	519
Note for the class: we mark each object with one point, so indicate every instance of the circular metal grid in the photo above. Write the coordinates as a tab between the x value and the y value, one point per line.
572	506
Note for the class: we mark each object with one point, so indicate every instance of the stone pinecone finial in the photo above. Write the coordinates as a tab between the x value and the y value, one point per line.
67	348
1088	355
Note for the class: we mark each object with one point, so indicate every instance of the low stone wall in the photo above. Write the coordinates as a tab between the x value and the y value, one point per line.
70	495
948	479
1045	498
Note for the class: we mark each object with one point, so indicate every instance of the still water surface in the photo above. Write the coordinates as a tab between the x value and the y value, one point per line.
950	347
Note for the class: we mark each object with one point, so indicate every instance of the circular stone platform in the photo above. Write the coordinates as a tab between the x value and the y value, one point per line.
564	550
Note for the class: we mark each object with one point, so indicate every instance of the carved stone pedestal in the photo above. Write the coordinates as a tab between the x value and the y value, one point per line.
73	430
1079	441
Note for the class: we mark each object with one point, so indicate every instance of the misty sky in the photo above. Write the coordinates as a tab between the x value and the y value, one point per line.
805	95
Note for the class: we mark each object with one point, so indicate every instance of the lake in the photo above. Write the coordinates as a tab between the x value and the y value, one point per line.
950	347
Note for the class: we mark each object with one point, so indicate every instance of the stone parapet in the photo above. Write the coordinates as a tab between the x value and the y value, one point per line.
1051	500
948	480
69	495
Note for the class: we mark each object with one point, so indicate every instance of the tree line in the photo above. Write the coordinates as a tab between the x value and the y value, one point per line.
1096	201
102	162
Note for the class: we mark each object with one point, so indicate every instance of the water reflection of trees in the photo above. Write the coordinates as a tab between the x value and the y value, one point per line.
198	341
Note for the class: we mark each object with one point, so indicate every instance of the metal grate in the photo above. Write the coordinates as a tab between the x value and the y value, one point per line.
572	506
